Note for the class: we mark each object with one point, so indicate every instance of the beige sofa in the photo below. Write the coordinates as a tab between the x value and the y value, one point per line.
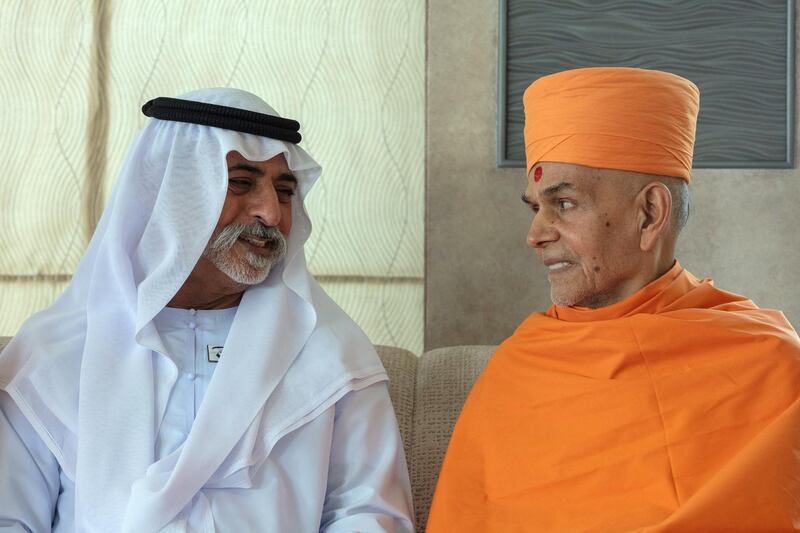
427	393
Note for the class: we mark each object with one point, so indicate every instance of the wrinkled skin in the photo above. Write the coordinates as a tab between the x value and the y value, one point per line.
604	234
258	191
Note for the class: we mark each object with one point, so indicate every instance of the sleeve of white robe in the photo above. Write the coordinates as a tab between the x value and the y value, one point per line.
29	474
368	486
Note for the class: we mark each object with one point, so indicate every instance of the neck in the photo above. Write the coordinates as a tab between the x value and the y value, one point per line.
642	277
207	288
664	260
655	264
664	268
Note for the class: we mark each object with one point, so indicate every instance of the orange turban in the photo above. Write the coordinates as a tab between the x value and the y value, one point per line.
610	117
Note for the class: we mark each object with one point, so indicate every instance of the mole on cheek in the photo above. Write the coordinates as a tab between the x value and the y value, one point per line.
608	223
597	269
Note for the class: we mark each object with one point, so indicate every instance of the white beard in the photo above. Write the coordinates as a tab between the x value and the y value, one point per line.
252	268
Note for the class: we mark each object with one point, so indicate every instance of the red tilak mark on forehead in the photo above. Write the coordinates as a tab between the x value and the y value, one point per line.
537	174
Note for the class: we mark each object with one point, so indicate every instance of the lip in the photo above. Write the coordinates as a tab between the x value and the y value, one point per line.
555	260
262	250
549	262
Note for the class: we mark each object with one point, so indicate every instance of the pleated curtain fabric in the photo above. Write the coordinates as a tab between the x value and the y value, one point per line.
351	72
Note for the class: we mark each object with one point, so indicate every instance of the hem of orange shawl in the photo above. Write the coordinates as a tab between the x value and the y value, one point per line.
645	300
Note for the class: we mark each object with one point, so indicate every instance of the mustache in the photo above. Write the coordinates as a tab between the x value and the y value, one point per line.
230	234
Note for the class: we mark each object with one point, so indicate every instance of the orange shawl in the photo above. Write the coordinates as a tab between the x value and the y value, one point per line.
677	409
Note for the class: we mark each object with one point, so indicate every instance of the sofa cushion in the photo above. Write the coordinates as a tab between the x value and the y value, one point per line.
444	379
401	366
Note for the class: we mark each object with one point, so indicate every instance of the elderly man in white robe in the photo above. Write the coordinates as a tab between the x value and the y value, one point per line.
194	376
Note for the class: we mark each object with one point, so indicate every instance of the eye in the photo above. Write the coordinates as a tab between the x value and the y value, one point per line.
239	184
285	195
564	204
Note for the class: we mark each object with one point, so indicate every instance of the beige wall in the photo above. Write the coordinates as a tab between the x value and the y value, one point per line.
480	278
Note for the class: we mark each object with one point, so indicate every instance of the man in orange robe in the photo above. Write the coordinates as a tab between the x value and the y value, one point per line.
644	399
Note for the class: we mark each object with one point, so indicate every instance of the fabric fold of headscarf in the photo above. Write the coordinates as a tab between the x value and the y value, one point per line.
613	117
676	409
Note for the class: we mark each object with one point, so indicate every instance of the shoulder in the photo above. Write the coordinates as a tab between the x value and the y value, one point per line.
372	398
337	336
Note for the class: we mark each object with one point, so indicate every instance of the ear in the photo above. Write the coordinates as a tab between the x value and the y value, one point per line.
654	204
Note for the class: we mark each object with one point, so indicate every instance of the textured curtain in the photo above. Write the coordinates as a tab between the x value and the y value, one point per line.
351	71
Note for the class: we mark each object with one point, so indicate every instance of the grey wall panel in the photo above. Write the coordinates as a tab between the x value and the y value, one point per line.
738	52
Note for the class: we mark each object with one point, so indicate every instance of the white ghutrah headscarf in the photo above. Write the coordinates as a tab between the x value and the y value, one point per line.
82	371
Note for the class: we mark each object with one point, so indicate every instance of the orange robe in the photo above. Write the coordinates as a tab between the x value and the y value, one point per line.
677	409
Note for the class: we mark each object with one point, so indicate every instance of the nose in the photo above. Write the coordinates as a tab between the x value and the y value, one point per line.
265	207
541	232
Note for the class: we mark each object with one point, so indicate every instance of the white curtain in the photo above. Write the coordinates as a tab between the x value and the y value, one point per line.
350	71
